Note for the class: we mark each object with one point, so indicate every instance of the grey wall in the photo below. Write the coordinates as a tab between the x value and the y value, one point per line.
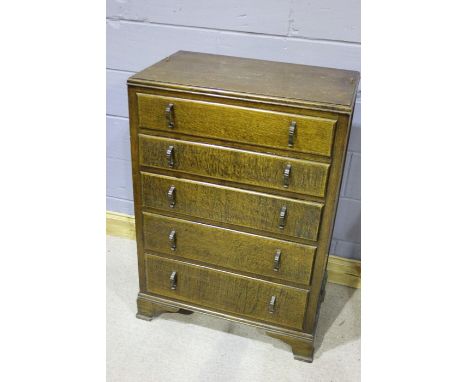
314	32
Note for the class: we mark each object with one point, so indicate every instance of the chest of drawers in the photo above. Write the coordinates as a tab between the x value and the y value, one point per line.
237	166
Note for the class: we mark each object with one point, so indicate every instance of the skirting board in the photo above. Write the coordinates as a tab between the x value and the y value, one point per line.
340	270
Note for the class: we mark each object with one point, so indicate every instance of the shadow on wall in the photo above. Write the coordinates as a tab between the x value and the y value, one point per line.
347	231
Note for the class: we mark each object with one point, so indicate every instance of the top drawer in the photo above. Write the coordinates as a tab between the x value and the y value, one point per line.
239	124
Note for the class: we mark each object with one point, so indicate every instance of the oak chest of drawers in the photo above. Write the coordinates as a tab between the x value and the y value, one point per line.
237	166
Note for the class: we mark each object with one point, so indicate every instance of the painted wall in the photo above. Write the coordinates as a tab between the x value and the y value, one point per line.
314	32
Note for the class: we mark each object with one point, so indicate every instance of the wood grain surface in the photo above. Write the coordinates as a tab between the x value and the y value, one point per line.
233	123
226	291
240	75
229	249
233	206
241	166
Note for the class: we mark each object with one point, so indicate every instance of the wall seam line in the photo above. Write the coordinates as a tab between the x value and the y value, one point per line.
278	36
116	116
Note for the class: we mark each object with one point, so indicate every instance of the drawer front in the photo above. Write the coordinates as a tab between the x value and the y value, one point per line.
235	165
239	124
286	216
230	249
226	292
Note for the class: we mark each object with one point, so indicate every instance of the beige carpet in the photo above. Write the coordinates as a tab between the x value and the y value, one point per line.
175	347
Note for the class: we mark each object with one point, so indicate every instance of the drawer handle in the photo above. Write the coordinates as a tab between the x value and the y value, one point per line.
286	176
292	133
172	240
282	218
170	156
173	280
171	196
271	305
170	115
277	260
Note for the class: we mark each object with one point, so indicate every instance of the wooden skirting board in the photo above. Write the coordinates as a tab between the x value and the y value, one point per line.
340	271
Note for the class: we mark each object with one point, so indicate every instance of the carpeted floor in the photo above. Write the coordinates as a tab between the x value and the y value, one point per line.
175	347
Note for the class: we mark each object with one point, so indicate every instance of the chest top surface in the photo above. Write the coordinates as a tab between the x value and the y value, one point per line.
238	76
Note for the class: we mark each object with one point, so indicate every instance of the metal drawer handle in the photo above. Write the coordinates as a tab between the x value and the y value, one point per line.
282	219
292	133
170	156
271	305
171	196
173	280
170	115
277	260
172	240
286	176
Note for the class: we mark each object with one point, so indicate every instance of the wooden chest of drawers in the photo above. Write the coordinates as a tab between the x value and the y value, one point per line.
237	167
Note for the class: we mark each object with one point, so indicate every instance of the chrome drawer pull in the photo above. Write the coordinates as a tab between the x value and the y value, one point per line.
171	196
292	133
170	115
271	306
172	240
170	156
173	280
282	219
277	260
286	175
